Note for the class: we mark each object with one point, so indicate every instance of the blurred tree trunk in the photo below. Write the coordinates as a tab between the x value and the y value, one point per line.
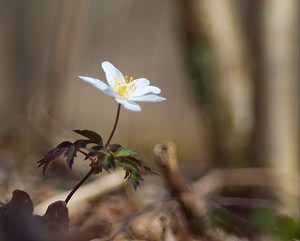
230	104
272	38
16	77
62	60
280	51
64	56
36	55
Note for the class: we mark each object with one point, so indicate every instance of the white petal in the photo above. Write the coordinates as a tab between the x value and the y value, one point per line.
145	90
129	105
109	91
95	82
148	98
141	82
98	84
112	73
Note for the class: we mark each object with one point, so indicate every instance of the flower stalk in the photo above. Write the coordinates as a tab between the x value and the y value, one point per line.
91	171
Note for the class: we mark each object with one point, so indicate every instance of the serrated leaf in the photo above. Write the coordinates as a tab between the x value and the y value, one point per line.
151	170
93	151
141	164
64	144
124	152
52	155
135	160
82	143
70	154
108	162
114	147
132	167
106	151
132	173
127	172
93	136
96	148
134	179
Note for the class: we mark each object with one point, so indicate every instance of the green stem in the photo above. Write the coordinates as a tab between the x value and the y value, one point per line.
92	170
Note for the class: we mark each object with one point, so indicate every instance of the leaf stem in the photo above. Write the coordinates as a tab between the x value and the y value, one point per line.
92	170
86	155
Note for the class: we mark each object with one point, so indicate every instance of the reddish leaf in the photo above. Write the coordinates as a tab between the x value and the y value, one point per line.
53	155
91	135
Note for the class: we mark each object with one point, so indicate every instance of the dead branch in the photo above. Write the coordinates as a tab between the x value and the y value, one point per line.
193	206
218	179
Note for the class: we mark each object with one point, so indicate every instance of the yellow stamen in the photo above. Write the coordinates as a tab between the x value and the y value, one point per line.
124	88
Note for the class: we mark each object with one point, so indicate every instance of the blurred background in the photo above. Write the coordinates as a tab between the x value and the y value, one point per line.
229	71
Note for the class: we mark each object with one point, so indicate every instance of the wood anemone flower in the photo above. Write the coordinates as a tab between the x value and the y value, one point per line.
126	90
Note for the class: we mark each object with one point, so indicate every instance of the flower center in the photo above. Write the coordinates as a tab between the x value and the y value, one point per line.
123	88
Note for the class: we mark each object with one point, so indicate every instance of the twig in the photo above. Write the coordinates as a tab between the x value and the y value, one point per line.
234	177
193	206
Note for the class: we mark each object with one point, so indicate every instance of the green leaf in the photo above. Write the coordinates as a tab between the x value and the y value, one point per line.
281	227
134	179
124	151
94	150
140	163
114	147
287	228
135	160
93	136
106	151
131	167
108	162
132	172
127	172
70	154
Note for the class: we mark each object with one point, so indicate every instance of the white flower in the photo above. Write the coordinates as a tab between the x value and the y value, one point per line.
126	91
